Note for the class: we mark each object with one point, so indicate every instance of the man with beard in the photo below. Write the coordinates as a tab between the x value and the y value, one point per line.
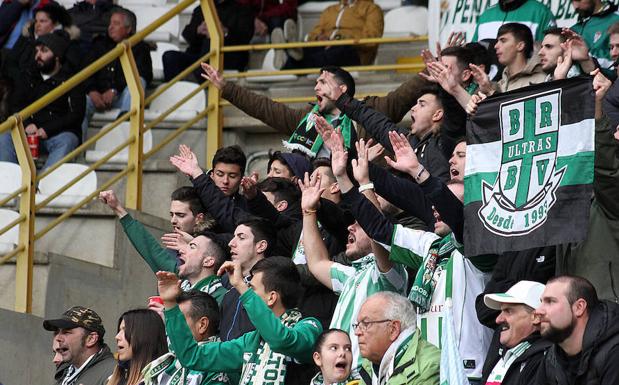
552	48
585	332
516	350
594	19
58	124
78	334
531	13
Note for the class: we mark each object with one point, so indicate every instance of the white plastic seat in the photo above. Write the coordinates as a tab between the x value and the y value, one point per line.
59	177
112	139
406	21
171	96
147	14
267	65
10	180
157	58
8	240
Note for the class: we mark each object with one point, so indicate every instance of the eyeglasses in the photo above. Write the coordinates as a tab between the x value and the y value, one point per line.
365	325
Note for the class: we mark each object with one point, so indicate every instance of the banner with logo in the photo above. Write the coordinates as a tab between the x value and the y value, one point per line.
529	168
447	16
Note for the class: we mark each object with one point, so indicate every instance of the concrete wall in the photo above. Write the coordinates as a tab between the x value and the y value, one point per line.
25	347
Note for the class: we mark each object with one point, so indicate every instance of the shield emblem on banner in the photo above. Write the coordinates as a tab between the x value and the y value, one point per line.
530	134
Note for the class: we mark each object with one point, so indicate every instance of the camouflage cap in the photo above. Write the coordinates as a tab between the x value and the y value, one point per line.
77	316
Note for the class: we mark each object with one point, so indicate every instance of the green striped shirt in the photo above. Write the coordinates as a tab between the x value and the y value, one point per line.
354	284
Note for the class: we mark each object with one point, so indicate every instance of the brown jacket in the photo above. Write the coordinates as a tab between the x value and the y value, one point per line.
285	119
359	19
531	74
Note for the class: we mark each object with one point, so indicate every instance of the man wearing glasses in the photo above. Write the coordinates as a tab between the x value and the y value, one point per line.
390	344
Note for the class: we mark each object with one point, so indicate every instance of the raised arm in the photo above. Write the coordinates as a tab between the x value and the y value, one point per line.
316	252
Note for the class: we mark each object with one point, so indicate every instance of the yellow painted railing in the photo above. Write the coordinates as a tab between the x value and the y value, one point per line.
24	251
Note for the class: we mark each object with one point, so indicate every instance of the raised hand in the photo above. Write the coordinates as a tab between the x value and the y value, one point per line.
332	89
325	130
471	107
601	84
456	39
482	79
310	192
186	162
250	186
109	198
169	287
443	76
360	167
176	240
405	157
339	155
212	75
374	150
235	274
564	61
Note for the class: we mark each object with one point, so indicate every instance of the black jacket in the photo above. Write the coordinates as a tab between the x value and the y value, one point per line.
598	363
430	150
63	114
111	76
92	20
524	368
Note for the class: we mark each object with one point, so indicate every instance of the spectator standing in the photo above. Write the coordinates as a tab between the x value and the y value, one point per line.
58	124
389	341
202	315
532	13
585	332
236	25
595	17
92	17
517	349
107	88
141	338
354	19
79	335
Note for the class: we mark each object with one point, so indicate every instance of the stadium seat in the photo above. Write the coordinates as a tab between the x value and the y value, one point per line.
157	58
267	65
8	240
406	21
112	139
170	97
147	14
10	180
59	178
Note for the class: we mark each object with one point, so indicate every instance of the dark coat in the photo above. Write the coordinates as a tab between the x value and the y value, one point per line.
599	356
111	76
524	368
63	114
92	20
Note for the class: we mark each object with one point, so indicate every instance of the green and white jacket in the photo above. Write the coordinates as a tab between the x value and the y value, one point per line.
261	356
532	13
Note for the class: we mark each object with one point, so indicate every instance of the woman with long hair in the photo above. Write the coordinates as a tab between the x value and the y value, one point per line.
333	356
141	338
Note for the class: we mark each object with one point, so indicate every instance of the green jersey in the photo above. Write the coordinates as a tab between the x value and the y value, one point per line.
594	31
533	14
261	356
354	284
159	258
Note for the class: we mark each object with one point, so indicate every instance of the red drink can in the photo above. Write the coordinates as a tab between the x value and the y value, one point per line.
155	299
33	143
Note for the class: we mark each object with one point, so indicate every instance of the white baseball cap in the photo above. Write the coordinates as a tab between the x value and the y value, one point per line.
523	292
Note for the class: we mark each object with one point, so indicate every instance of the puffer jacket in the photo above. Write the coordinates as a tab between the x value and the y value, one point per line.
354	19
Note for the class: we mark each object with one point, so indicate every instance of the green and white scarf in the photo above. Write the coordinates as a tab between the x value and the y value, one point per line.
497	375
175	374
423	287
306	139
266	366
392	356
